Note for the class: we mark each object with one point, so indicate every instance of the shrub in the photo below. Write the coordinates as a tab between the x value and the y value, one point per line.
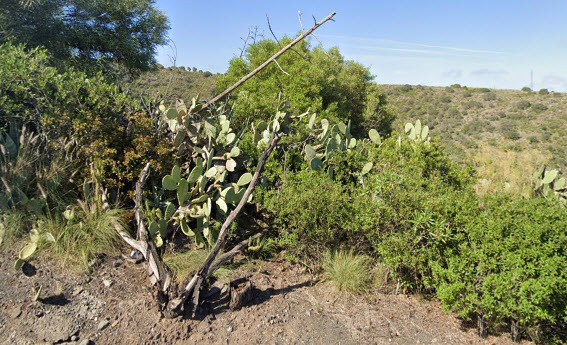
513	267
543	92
91	112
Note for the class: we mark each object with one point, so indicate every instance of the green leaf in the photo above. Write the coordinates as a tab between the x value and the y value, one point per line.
409	127
169	183
342	127
310	152
230	138
158	241
366	168
153	228
325	124
244	179
375	136
182	193
47	237
18	264
311	121
195	173
550	176
170	209
163	229
235	152
200	199
28	251
171	114
179	137
176	173
352	143
424	133
211	172
222	205
186	229
316	163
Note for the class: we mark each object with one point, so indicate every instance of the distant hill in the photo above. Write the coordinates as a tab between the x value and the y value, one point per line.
468	119
173	83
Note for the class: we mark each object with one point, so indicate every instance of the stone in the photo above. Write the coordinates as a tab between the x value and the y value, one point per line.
103	324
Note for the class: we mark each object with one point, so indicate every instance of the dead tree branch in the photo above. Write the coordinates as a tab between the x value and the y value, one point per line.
267	62
194	286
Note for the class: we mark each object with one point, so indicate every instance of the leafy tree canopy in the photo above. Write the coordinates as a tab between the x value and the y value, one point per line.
317	79
93	34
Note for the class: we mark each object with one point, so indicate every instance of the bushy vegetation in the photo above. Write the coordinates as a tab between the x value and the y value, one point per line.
341	182
316	79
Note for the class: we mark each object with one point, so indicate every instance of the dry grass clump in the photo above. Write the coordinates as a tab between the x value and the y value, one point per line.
349	272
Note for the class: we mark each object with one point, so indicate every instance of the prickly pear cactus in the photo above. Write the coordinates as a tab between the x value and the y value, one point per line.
329	139
550	184
209	184
417	132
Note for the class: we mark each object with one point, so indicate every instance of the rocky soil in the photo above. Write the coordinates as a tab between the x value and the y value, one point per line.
115	305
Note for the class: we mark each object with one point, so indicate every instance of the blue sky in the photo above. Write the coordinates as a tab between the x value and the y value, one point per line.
476	43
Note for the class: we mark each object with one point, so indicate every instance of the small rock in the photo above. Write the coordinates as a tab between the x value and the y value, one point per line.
308	313
86	342
103	324
107	282
16	313
74	338
117	263
78	291
229	329
157	336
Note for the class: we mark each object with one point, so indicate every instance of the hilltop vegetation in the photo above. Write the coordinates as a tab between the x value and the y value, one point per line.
470	119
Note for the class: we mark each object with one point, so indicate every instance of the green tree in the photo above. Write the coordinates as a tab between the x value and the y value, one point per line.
95	34
316	79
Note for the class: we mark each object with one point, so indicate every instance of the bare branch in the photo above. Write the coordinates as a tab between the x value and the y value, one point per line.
267	62
232	253
194	286
281	69
278	41
300	21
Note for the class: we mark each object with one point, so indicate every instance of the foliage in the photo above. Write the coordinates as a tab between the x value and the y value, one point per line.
550	184
103	123
348	272
512	267
208	184
184	263
32	176
319	80
472	121
92	34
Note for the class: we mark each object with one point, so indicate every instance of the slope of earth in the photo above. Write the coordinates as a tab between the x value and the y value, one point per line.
468	118
114	305
173	83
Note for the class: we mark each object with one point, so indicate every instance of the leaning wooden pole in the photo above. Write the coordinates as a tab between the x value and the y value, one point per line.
267	62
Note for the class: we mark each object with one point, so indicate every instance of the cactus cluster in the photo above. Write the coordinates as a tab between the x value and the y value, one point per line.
208	184
417	132
550	184
330	139
36	240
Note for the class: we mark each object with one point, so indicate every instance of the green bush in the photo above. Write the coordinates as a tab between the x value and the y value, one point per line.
512	268
91	112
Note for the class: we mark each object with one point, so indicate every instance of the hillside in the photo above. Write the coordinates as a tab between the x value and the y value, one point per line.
468	119
173	83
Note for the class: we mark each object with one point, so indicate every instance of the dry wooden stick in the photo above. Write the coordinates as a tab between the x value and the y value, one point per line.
194	286
267	62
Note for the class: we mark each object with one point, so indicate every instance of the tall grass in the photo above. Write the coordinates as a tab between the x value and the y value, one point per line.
349	272
89	233
506	171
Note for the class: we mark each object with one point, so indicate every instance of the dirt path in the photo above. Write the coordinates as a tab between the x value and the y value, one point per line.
114	305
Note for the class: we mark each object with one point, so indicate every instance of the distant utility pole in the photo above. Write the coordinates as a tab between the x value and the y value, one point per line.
532	79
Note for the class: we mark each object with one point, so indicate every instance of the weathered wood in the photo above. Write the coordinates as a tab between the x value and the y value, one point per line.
241	295
193	287
267	62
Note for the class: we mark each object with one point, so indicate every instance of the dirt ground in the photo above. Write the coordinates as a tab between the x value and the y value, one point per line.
115	305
